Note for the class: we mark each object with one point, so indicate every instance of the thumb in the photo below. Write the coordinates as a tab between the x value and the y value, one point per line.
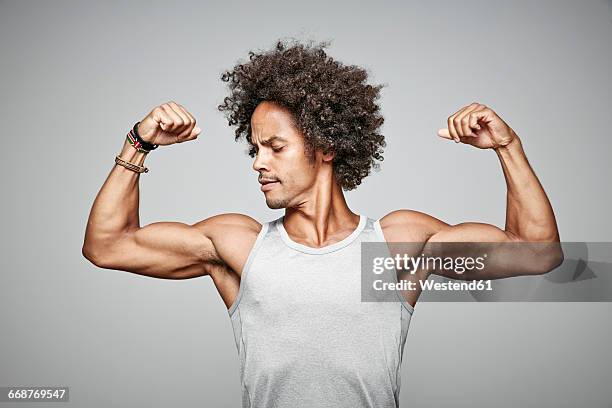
444	133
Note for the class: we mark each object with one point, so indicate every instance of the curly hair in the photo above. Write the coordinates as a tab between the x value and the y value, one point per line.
331	103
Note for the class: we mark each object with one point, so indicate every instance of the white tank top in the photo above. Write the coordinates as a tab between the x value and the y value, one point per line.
304	337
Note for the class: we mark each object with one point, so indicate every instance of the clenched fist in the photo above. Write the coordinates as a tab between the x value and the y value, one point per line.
167	124
479	126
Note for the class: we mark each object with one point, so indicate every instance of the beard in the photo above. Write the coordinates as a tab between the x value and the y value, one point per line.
278	203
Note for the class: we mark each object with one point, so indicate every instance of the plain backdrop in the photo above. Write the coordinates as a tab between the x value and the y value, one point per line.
75	76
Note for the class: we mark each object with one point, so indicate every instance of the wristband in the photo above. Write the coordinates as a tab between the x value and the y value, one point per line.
137	142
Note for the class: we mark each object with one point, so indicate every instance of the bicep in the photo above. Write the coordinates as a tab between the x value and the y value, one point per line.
439	239
471	232
416	226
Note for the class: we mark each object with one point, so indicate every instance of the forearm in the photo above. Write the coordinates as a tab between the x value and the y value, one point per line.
115	209
529	214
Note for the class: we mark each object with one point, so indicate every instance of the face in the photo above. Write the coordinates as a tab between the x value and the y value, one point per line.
286	174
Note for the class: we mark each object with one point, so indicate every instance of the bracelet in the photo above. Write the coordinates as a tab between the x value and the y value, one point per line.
131	166
137	141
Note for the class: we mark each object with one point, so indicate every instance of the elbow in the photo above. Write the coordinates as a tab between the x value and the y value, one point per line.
550	256
90	255
93	256
543	249
556	257
100	250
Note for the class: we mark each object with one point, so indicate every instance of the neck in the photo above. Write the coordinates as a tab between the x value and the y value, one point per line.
323	218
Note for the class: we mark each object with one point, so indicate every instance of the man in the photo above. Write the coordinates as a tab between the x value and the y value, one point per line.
292	285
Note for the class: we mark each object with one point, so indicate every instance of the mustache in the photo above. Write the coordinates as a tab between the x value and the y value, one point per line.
270	177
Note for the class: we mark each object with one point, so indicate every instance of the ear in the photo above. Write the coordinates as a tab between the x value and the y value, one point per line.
328	155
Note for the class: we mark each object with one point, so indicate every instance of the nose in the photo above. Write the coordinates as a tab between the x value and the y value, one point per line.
261	162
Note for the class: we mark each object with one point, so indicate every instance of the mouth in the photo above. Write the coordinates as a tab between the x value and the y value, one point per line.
267	185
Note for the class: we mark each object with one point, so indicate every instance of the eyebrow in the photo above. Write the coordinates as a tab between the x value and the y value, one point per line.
273	139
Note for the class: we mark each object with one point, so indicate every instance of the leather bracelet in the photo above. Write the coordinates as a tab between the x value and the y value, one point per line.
145	145
131	166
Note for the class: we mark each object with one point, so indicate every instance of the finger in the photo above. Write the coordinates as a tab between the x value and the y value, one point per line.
177	122
451	126
162	118
444	133
474	121
463	120
188	132
188	122
482	115
454	126
184	130
187	112
195	130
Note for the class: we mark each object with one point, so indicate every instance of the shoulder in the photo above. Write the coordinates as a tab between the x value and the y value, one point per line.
410	225
227	224
232	236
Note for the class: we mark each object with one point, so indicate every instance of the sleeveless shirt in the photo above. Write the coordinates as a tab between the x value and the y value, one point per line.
303	335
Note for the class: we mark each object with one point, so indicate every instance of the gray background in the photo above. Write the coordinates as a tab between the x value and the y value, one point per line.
77	75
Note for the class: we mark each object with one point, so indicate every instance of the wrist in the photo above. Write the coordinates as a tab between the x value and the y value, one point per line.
130	154
513	145
138	142
511	152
